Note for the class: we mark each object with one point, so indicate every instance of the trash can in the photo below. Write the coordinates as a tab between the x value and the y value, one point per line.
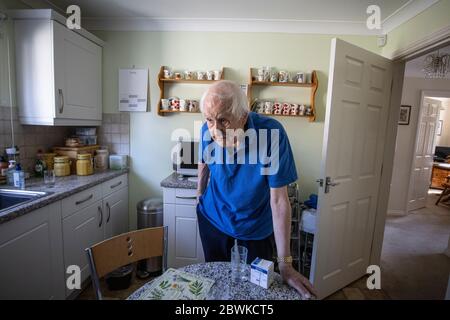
149	214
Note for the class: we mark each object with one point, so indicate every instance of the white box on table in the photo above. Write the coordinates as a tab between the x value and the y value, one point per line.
261	272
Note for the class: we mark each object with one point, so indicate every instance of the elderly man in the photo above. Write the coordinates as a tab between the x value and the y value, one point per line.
239	198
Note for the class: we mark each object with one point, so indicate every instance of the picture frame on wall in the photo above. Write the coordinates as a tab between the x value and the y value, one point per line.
405	115
439	127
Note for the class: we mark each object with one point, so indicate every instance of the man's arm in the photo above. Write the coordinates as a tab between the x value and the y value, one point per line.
203	176
281	214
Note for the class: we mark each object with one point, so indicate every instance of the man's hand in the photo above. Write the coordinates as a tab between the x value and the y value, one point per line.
297	281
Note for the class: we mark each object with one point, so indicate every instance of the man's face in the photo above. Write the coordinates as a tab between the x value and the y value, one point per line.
219	121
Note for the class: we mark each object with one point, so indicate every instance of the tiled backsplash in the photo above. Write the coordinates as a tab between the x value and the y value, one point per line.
114	134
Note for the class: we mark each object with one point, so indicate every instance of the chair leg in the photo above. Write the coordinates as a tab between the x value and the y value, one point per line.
444	192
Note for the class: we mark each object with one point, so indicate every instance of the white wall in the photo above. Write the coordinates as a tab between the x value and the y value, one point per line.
412	90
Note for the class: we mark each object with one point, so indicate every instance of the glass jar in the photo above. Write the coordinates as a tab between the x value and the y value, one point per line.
101	159
62	166
84	164
49	159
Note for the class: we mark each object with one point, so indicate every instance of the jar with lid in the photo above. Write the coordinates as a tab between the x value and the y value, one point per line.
62	166
101	159
84	164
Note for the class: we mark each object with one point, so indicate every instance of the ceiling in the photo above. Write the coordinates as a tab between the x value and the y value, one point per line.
304	16
414	67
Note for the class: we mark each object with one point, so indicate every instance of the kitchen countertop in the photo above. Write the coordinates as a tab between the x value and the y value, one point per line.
64	187
173	181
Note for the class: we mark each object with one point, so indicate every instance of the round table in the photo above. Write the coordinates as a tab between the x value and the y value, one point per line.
225	289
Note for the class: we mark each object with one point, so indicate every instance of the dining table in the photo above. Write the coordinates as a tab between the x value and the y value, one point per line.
224	288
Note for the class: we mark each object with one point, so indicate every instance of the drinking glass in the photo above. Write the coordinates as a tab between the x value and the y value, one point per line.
239	263
49	178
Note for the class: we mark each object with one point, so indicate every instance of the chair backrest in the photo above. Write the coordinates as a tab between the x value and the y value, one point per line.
118	251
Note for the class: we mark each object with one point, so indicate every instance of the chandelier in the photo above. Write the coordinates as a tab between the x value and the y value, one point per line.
436	66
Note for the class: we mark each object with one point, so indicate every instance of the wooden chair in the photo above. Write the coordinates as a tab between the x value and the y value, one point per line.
113	253
446	190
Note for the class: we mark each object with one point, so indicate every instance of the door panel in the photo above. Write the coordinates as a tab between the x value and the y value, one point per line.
423	158
356	117
115	207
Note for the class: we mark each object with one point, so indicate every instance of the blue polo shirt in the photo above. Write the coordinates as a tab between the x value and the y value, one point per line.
237	198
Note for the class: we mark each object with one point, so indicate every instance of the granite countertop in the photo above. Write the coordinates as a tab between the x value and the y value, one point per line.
173	181
225	289
64	187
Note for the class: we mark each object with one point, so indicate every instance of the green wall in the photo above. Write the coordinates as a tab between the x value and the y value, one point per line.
151	134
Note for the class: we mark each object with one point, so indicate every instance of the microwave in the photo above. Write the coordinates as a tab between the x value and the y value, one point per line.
185	158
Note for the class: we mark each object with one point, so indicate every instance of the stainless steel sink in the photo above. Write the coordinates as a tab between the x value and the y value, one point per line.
10	198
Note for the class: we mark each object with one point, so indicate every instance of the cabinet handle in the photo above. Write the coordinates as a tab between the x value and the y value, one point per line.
116	185
109	212
101	216
61	98
81	201
186	198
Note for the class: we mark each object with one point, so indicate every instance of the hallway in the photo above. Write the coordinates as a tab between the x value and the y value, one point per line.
413	262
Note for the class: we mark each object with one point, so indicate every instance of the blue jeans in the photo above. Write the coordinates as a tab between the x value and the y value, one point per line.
217	245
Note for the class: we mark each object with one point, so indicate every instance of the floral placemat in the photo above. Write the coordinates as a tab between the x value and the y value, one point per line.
177	285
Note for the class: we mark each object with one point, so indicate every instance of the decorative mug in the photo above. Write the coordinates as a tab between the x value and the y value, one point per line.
201	75
308	111
283	76
260	78
268	107
294	109
300	77
210	75
217	74
183	105
273	77
165	104
260	107
193	106
178	76
167	74
301	110
188	75
277	108
175	103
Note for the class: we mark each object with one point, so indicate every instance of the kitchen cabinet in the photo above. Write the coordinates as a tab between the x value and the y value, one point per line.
91	216
80	231
180	216
32	256
58	71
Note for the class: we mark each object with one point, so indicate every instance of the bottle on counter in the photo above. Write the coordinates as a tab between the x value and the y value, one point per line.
10	172
19	177
39	166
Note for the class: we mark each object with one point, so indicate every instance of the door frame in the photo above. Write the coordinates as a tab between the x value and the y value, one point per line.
429	43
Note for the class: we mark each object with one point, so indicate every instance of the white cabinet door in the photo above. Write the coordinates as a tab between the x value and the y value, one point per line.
115	207
185	246
78	71
31	256
80	231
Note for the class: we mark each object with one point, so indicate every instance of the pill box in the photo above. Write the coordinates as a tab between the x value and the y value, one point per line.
261	272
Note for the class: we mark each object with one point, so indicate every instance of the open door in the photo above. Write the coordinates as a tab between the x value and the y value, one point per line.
423	156
359	90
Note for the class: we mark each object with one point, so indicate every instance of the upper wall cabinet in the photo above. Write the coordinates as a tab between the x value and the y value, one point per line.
58	71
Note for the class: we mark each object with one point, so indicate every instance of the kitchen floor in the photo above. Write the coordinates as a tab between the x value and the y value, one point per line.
413	262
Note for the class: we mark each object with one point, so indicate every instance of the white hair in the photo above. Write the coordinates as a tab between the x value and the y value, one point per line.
230	95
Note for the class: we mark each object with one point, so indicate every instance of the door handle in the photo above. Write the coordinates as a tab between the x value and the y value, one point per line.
329	183
186	198
101	216
109	212
320	182
84	200
61	99
116	185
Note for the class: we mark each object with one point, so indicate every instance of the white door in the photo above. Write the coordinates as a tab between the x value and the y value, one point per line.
359	89
115	207
423	156
77	75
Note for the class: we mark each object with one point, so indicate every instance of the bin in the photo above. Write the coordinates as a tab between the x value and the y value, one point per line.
149	215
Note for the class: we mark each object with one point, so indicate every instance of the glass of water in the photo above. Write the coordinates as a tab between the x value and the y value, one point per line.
239	263
49	178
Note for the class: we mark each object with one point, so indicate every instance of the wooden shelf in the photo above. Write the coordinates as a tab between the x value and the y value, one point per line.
163	81
311	86
282	115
